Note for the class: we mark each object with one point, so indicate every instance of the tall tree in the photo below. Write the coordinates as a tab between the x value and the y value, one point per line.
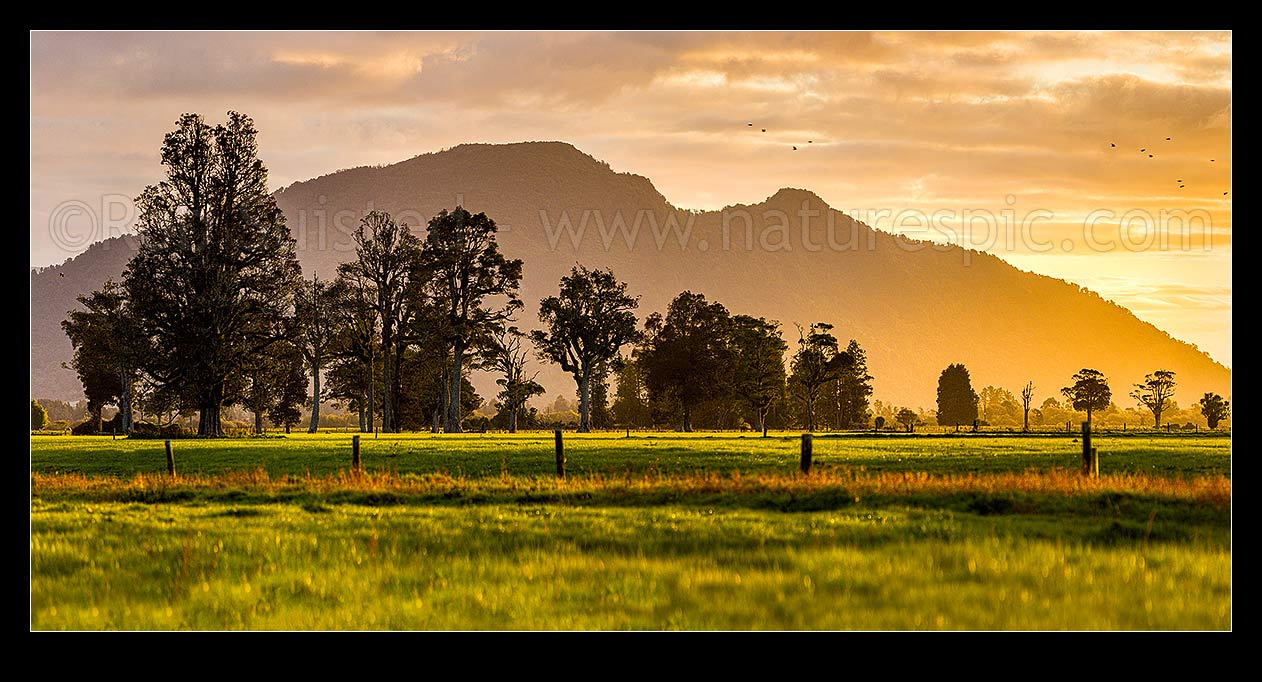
854	387
1155	393
387	257
957	401
1089	392
216	263
1027	395
686	355
1214	408
585	326
108	348
311	312
461	255
759	376
816	363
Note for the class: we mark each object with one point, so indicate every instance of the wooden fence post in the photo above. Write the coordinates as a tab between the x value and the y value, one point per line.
806	452
560	454
1088	453
170	460
355	461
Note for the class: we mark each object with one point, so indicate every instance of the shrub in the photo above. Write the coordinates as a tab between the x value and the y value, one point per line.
39	416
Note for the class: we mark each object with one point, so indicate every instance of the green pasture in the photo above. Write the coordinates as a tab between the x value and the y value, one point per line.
655	532
479	455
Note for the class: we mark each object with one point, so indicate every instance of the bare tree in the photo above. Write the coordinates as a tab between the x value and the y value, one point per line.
1027	395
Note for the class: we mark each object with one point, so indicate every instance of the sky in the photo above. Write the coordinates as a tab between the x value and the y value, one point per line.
1023	144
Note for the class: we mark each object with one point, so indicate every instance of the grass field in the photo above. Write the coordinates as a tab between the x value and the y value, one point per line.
660	531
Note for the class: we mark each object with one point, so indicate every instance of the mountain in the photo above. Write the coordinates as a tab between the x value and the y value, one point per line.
915	307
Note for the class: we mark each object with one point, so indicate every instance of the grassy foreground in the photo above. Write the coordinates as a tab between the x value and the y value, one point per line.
704	534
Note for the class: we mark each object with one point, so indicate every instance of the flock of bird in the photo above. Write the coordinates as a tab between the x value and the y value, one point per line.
1112	145
795	148
1144	150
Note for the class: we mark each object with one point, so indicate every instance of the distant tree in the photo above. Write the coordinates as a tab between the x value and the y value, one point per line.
600	415
286	410
1214	408
108	347
505	354
879	423
1089	392
461	255
39	416
276	384
631	398
585	327
686	356
907	418
758	375
816	362
216	264
1027	395
957	402
1155	393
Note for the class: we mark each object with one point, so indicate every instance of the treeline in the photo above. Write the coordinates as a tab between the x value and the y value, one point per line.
213	312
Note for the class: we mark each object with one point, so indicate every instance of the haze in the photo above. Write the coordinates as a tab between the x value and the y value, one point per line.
893	122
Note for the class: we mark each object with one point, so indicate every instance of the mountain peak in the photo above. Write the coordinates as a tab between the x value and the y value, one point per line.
794	194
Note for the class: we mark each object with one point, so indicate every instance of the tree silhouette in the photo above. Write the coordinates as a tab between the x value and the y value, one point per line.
460	253
585	326
816	362
686	356
1089	392
852	388
631	398
505	354
1155	393
108	347
311	313
387	257
1027	395
907	418
957	402
216	265
353	357
1214	408
758	375
39	416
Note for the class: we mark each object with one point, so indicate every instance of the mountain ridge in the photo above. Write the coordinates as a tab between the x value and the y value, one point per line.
888	292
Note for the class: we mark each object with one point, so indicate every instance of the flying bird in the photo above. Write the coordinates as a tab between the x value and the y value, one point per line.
1143	150
751	125
809	141
764	130
1112	144
62	274
1150	156
1180	186
795	149
1224	194
1167	139
1211	160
